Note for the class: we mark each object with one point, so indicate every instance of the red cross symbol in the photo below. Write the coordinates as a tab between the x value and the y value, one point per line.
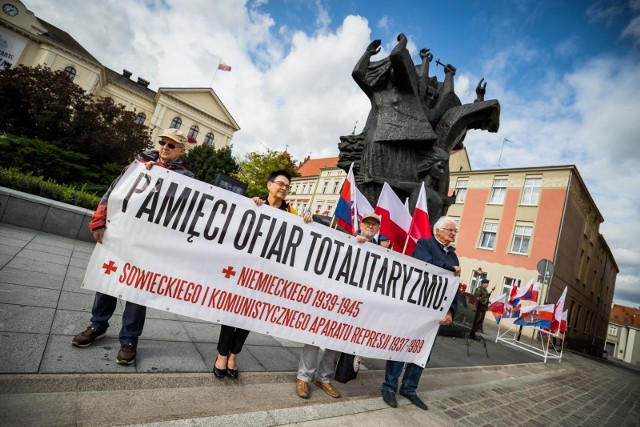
228	272
109	268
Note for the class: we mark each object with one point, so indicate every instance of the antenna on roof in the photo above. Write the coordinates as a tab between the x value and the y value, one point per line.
354	128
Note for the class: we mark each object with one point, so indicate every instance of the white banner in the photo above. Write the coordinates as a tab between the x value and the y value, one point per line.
181	245
10	49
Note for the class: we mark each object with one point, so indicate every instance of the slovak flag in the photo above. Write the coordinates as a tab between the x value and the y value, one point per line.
224	67
420	226
540	316
394	218
513	305
345	209
496	305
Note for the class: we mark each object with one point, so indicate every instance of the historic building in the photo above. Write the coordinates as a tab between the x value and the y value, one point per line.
623	335
28	40
318	186
511	219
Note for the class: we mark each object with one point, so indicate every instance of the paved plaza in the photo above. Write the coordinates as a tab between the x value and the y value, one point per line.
46	381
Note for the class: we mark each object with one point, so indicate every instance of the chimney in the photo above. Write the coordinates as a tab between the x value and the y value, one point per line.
142	82
126	73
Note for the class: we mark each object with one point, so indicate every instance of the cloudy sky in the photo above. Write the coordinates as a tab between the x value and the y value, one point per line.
566	73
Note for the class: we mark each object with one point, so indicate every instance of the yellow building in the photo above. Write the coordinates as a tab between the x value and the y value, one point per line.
28	40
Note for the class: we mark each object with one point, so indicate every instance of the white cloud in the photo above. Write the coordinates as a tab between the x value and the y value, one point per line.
291	89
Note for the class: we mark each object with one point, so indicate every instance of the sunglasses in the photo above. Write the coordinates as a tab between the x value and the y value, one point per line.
168	144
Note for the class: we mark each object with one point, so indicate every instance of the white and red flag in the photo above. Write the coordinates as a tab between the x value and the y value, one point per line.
394	218
420	226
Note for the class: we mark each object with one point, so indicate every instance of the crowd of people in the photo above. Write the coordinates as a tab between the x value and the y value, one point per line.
316	365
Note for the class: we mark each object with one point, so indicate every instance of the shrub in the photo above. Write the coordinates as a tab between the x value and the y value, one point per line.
39	186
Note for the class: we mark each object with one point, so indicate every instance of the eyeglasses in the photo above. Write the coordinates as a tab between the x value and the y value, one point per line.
370	224
450	230
282	185
168	144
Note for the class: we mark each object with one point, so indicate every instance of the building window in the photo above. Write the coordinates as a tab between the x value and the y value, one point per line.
176	123
461	190
508	283
208	139
329	210
193	132
498	191
613	330
324	188
318	209
335	186
70	72
489	232
521	239
531	191
304	188
140	118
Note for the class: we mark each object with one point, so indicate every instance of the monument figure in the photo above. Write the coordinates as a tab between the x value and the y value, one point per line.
414	124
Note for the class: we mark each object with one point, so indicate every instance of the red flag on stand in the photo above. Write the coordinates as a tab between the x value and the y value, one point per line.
224	67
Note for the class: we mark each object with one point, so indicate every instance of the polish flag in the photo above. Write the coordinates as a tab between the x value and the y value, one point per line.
559	306
420	226
394	218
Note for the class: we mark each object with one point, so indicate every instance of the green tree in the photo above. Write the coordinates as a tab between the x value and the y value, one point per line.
206	161
255	168
36	102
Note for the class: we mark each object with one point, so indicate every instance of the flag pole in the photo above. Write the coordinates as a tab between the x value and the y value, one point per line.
406	243
215	72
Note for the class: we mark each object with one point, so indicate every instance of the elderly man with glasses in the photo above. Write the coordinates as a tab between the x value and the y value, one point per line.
437	251
173	145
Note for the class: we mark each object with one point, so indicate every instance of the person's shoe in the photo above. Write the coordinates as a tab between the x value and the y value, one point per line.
473	336
87	337
389	398
413	398
218	372
302	389
232	373
126	355
327	387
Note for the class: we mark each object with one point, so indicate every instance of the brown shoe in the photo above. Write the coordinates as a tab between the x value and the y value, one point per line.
87	337
126	355
302	389
327	387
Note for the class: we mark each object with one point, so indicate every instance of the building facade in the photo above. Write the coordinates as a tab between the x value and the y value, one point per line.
198	112
317	189
511	219
623	334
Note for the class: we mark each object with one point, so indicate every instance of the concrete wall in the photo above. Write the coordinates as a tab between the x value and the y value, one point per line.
29	211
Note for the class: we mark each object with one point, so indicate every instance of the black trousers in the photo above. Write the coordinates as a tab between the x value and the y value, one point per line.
231	340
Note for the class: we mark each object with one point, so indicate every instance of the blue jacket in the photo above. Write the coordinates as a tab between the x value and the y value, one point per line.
432	252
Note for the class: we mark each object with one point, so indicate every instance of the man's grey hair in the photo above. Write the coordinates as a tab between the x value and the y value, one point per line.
443	221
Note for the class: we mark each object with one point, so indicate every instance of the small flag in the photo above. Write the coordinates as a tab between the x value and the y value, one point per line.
224	67
496	305
538	315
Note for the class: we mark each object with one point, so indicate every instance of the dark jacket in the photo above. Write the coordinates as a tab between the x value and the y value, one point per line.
432	252
99	218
